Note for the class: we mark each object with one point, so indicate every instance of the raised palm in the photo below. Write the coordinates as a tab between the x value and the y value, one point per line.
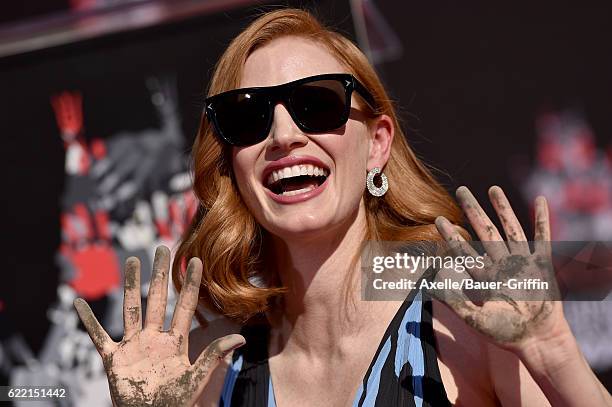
150	366
508	316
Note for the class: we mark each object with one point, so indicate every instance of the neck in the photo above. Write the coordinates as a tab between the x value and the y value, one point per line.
318	271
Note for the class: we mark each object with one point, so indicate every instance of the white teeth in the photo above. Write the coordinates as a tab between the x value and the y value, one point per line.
295	171
297	191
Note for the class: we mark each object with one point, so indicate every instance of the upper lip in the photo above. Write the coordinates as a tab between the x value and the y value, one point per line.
289	161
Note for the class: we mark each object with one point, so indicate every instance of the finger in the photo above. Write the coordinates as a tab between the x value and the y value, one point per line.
188	298
484	228
459	246
450	233
132	314
542	227
212	355
462	304
104	344
454	297
158	290
517	241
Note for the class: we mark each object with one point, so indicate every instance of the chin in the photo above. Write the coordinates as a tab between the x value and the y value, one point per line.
300	226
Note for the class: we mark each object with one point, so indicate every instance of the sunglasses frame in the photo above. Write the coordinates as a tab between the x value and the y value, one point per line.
282	93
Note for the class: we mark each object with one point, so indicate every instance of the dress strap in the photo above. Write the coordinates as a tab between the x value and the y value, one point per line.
401	373
432	385
404	371
247	379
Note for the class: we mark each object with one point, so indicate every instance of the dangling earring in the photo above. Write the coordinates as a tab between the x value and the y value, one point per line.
373	189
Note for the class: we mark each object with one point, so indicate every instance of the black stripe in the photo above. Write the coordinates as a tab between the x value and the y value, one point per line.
434	393
251	388
394	391
393	327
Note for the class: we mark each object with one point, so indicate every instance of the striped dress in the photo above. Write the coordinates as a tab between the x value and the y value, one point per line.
404	371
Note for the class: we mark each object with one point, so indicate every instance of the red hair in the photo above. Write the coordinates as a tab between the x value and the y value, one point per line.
224	233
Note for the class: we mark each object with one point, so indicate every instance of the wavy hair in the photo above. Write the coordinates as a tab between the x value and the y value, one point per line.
225	235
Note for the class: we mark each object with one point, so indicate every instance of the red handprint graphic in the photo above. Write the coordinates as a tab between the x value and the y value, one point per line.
86	247
69	116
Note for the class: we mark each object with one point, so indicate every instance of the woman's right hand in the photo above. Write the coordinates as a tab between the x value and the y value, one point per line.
150	366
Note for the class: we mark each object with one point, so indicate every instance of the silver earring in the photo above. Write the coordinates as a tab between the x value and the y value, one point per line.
373	189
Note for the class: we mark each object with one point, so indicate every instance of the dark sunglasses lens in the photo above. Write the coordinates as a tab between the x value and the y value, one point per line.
320	105
242	118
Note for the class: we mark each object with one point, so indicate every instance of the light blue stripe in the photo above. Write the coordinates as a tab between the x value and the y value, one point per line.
409	350
230	381
373	383
409	342
358	396
271	397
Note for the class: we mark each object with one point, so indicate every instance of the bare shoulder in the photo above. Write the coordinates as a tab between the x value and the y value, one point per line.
199	339
476	372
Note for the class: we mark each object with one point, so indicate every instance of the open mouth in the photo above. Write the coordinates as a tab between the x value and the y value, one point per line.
296	179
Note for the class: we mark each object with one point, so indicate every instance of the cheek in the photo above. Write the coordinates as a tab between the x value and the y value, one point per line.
350	152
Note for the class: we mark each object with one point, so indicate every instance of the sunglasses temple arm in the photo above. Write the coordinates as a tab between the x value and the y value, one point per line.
365	94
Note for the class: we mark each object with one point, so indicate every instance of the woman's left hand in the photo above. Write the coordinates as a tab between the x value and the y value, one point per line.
510	318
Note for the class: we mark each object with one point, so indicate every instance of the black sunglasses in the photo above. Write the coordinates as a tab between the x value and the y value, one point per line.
317	104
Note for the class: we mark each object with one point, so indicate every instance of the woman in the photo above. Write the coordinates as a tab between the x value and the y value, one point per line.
281	174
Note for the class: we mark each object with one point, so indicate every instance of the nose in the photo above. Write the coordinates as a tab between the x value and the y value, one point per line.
285	134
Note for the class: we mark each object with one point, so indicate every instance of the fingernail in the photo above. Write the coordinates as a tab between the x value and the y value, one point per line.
495	190
462	191
441	221
80	305
161	252
232	342
132	261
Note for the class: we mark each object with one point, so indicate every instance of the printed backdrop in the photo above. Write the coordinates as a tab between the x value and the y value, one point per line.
95	137
95	158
